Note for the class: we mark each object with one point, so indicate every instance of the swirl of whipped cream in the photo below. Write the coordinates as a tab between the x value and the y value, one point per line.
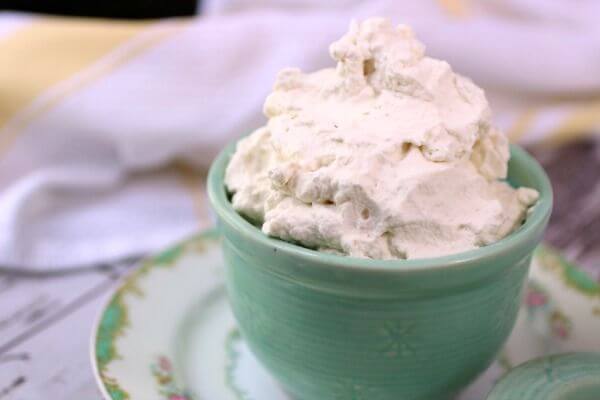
390	155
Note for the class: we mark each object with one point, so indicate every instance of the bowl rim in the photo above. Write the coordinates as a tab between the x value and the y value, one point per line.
532	228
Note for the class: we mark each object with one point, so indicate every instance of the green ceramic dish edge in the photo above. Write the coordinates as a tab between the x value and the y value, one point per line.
571	376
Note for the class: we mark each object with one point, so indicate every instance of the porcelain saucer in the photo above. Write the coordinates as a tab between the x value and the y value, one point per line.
167	331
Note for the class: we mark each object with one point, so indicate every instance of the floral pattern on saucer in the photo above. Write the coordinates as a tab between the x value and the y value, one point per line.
538	301
162	370
114	320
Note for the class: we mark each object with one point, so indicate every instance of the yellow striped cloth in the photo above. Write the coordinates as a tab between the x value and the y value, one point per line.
106	126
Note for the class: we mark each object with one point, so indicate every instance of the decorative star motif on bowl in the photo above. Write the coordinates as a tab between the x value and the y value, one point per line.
398	338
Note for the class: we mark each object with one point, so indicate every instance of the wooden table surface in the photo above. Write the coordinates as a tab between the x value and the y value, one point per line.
46	320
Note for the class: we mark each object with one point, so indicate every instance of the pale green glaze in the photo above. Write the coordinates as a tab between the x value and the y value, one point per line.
333	327
574	376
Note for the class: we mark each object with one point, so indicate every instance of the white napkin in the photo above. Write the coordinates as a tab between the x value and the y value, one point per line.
107	128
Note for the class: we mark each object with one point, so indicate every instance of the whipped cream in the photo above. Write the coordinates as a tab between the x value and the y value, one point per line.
390	155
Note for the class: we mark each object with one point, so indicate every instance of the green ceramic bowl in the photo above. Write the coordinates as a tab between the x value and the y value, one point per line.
333	327
573	376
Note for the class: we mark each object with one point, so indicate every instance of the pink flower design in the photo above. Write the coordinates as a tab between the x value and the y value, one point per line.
164	363
560	325
535	299
561	331
162	370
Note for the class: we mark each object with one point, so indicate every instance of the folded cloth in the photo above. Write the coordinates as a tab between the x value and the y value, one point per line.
107	127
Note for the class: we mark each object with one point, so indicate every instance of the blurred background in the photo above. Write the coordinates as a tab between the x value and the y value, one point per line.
111	112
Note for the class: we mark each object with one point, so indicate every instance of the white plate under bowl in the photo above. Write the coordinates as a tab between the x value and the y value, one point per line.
167	332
